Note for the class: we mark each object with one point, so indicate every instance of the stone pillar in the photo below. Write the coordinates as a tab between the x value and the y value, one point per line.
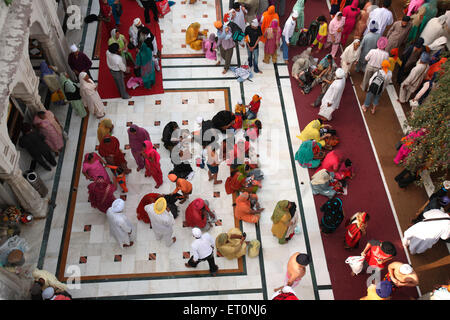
28	197
53	55
33	101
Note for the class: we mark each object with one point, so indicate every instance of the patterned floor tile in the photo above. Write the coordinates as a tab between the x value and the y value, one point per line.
118	258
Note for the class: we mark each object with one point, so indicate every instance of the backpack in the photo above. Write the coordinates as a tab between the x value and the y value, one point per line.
303	39
376	86
312	31
333	215
238	35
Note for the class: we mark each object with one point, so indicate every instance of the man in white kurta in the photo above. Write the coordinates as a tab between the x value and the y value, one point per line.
423	235
162	221
383	16
120	226
414	79
332	97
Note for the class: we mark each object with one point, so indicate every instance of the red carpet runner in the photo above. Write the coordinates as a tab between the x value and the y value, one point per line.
366	191
106	86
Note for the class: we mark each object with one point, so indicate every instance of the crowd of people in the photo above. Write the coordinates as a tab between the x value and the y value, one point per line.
375	42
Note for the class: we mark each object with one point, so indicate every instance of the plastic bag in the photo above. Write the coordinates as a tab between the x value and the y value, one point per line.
356	263
253	248
163	7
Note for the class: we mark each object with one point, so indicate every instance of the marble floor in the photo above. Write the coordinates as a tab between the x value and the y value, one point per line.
78	245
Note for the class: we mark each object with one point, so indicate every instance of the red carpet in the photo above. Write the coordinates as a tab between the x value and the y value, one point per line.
366	191
106	86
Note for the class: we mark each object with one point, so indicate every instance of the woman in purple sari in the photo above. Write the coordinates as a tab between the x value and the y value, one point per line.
101	194
137	136
93	167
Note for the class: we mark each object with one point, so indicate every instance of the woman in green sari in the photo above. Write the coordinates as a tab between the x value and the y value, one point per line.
298	7
309	154
120	39
425	13
72	93
144	60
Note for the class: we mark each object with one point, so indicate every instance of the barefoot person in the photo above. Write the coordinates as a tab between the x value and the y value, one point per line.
161	221
213	165
202	249
296	269
401	275
119	225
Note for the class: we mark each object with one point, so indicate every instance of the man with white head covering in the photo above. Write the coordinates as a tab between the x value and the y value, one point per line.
401	275
368	43
134	31
383	16
254	33
435	28
50	294
202	249
415	78
162	221
78	61
120	226
350	55
332	97
374	59
288	31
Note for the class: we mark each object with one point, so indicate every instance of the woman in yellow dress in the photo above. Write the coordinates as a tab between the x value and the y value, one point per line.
282	220
231	245
194	36
105	128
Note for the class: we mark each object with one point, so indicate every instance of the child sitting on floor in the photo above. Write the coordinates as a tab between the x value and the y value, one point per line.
253	107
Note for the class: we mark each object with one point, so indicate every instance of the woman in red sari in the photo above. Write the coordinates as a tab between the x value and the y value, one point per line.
110	150
107	15
146	200
355	228
152	165
101	194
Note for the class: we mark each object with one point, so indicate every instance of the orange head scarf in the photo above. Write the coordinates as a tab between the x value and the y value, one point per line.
394	53
385	65
268	16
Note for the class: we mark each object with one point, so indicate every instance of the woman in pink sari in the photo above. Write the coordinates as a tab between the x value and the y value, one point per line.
414	6
335	32
350	13
406	143
273	36
101	194
50	128
137	136
152	165
93	167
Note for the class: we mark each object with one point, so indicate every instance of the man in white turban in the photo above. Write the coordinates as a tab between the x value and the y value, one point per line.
332	97
134	30
119	225
202	249
401	275
288	31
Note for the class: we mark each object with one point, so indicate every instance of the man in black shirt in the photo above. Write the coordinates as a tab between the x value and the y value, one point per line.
35	144
254	34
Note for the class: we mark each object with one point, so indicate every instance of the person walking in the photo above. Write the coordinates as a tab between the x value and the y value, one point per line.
253	31
136	137
383	16
161	221
90	96
368	43
120	226
397	33
202	249
225	43
78	61
374	59
350	56
152	164
296	269
414	78
377	84
401	275
117	67
335	29
272	35
288	31
150	5
51	129
350	14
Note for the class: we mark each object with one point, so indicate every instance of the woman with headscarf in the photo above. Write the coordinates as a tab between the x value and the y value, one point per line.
335	29
397	33
309	154
282	218
51	129
109	149
350	13
394	59
152	165
105	128
332	98
374	92
414	6
210	47
301	63
199	215
409	58
355	228
136	137
312	131
120	227
320	183
144	60
247	208
266	20
299	8
93	167
325	78
106	15
72	93
231	245
414	78
374	59
431	11
435	28
50	78
361	20
350	56
101	194
90	96
368	43
273	36
133	32
321	37
194	36
423	93
117	37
